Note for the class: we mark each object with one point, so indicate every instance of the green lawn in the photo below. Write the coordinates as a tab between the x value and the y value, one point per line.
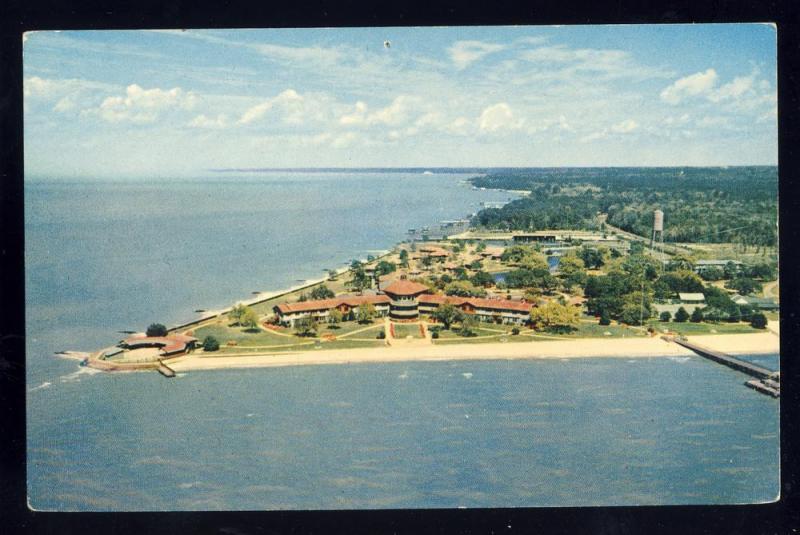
404	330
689	328
347	327
595	330
224	333
309	344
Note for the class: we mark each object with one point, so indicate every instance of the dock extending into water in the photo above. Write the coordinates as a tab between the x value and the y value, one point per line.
165	370
766	381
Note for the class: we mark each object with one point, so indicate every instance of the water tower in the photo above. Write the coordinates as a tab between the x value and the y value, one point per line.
658	234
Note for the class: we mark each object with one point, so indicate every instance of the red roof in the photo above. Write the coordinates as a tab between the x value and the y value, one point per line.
499	304
437	299
169	343
477	302
405	287
327	304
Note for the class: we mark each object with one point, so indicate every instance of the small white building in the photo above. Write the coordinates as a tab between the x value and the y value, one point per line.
692	298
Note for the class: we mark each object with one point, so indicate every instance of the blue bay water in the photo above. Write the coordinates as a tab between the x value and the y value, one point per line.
103	256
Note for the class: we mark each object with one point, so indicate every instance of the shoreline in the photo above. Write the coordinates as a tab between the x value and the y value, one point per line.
267	295
757	343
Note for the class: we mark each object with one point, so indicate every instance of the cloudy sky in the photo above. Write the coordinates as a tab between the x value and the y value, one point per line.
153	103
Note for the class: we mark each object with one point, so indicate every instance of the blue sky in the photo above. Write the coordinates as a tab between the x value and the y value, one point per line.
160	103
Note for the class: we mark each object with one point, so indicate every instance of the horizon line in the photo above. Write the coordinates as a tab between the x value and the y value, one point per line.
477	168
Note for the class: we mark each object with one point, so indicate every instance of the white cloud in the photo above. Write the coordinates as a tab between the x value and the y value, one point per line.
712	121
462	53
344	140
694	84
396	113
64	104
49	88
299	54
625	127
497	117
259	110
141	105
358	116
622	128
672	120
294	109
594	136
739	86
460	126
202	121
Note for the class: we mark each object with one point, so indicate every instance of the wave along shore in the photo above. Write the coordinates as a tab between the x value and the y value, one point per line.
760	343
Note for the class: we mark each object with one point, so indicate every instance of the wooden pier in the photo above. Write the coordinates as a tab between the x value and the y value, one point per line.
165	370
766	381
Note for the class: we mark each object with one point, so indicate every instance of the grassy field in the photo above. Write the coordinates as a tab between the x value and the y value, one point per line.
723	251
404	330
224	333
595	330
689	328
346	327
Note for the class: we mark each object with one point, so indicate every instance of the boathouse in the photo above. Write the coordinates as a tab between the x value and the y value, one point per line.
168	346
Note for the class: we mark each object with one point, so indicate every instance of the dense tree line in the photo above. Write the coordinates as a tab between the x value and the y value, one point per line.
707	205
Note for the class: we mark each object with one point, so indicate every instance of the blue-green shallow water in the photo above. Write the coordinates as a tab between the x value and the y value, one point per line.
471	433
103	256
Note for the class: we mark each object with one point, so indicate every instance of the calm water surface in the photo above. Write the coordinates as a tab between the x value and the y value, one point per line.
105	256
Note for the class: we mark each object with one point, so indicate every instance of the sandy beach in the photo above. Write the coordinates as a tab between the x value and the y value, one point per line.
591	347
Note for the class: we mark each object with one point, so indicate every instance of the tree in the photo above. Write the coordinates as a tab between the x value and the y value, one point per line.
730	270
593	257
480	247
335	316
322	292
744	285
697	316
681	315
665	316
302	298
735	315
475	265
447	315
365	313
403	258
680	263
156	329
249	319
385	267
461	273
468	325
570	264
306	326
712	274
634	313
604	319
673	282
758	320
237	312
332	274
210	344
555	317
464	289
764	272
516	253
482	278
359	280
